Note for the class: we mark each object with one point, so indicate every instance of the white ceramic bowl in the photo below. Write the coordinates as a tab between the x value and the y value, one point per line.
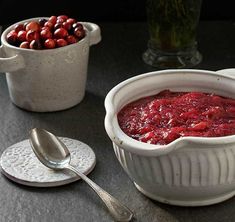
50	79
190	171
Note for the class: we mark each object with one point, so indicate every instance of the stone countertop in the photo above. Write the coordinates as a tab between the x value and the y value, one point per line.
116	58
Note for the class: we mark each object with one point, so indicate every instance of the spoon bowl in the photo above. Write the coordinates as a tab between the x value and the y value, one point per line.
49	149
53	153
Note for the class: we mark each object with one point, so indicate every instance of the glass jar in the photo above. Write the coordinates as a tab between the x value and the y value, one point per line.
172	26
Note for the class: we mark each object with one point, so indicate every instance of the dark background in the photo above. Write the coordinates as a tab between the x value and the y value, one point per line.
12	11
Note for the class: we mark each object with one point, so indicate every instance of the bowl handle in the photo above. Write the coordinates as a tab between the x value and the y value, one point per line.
94	30
12	63
227	72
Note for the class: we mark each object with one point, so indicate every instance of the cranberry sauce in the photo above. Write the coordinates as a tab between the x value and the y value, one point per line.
162	118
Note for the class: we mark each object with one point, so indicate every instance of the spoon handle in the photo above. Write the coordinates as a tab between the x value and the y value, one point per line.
117	209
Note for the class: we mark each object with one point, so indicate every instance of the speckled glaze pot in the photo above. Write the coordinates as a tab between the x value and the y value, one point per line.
47	80
190	171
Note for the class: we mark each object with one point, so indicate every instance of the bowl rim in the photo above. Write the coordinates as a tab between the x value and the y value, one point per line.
118	137
10	27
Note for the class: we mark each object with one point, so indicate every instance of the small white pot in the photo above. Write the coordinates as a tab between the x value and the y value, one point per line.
50	79
190	171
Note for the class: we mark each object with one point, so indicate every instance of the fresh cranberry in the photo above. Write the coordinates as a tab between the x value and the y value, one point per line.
19	27
58	25
35	44
45	34
62	17
50	44
71	39
24	45
45	28
34	26
60	20
61	42
49	25
71	20
67	25
78	25
53	19
25	24
42	22
60	33
12	37
79	33
21	35
32	35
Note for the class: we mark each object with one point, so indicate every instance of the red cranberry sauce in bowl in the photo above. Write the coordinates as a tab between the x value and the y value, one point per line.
164	117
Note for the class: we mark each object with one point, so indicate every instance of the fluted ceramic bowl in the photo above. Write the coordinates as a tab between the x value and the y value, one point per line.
190	171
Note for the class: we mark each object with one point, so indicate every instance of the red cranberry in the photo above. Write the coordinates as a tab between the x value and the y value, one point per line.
79	33
60	33
78	25
67	25
21	35
45	28
19	27
53	19
49	25
25	24
57	25
24	45
32	35
45	34
61	42
62	17
60	20
42	22
34	26
50	44
12	37
71	20
35	44
71	39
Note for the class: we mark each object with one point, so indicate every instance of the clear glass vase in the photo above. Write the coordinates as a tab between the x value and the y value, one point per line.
172	26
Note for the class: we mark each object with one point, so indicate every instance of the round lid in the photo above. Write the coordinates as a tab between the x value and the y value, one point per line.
19	163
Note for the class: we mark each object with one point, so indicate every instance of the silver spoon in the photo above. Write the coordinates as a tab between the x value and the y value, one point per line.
53	153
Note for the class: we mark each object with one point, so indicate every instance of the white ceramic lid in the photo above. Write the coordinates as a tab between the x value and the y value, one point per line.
19	163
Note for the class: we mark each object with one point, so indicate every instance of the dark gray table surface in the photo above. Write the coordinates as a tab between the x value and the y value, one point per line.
113	60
